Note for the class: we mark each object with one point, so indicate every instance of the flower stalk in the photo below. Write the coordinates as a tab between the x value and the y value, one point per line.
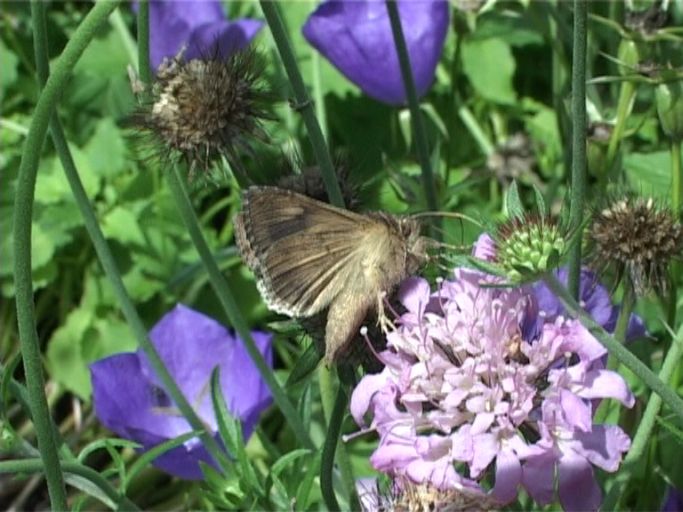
23	214
227	300
578	177
615	348
421	142
303	101
144	65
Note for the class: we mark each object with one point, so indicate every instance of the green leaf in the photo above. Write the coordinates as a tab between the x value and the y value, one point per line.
100	444
490	67
540	201
513	203
147	457
230	430
8	64
305	365
650	173
53	187
121	224
106	151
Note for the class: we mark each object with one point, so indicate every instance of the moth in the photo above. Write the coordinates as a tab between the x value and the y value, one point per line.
309	256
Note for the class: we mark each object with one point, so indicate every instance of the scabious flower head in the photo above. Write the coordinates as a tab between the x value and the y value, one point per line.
470	398
130	400
356	37
199	26
637	239
528	245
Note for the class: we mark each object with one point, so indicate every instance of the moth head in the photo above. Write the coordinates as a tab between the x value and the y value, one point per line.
416	244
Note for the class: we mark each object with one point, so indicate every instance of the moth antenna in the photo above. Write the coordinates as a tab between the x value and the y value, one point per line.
452	215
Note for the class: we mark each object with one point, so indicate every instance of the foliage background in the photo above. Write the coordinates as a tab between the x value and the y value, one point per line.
502	73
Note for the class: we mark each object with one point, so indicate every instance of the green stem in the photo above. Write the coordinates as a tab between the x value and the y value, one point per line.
23	215
327	461
615	348
303	101
144	65
578	183
646	426
227	300
105	256
421	141
621	327
74	468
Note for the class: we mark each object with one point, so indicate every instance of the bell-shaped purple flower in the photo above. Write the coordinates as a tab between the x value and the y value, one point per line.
355	36
130	400
198	25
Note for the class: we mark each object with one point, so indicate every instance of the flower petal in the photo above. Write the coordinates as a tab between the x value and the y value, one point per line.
578	489
508	476
221	38
355	36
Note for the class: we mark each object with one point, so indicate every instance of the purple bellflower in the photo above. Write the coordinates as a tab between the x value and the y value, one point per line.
130	400
355	36
199	26
466	386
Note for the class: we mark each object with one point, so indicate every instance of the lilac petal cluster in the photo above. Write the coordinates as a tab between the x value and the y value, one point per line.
467	397
199	26
130	400
356	37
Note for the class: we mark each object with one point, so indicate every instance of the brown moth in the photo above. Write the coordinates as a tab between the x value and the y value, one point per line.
308	256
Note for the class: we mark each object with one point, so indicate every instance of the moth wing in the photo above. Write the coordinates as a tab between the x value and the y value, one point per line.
302	251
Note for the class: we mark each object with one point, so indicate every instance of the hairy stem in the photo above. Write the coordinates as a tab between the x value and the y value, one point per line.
578	179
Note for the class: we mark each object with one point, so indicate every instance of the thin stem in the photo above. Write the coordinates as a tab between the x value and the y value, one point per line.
74	468
627	93
144	65
421	141
303	101
227	300
327	461
578	183
107	259
23	214
615	348
475	130
646	425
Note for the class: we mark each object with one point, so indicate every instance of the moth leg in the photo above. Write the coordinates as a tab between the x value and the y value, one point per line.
344	318
383	321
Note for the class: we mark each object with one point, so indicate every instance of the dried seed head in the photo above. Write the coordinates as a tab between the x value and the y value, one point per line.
637	238
528	246
205	108
406	496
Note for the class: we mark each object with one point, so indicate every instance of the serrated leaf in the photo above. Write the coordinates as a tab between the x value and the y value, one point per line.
121	224
513	203
52	186
64	357
540	201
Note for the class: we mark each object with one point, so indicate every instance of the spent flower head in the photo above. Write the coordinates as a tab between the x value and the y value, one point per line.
207	107
470	397
637	238
130	400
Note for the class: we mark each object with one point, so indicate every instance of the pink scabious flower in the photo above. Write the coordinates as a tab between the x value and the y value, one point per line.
466	401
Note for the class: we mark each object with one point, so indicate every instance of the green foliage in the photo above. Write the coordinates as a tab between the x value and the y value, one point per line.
504	73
